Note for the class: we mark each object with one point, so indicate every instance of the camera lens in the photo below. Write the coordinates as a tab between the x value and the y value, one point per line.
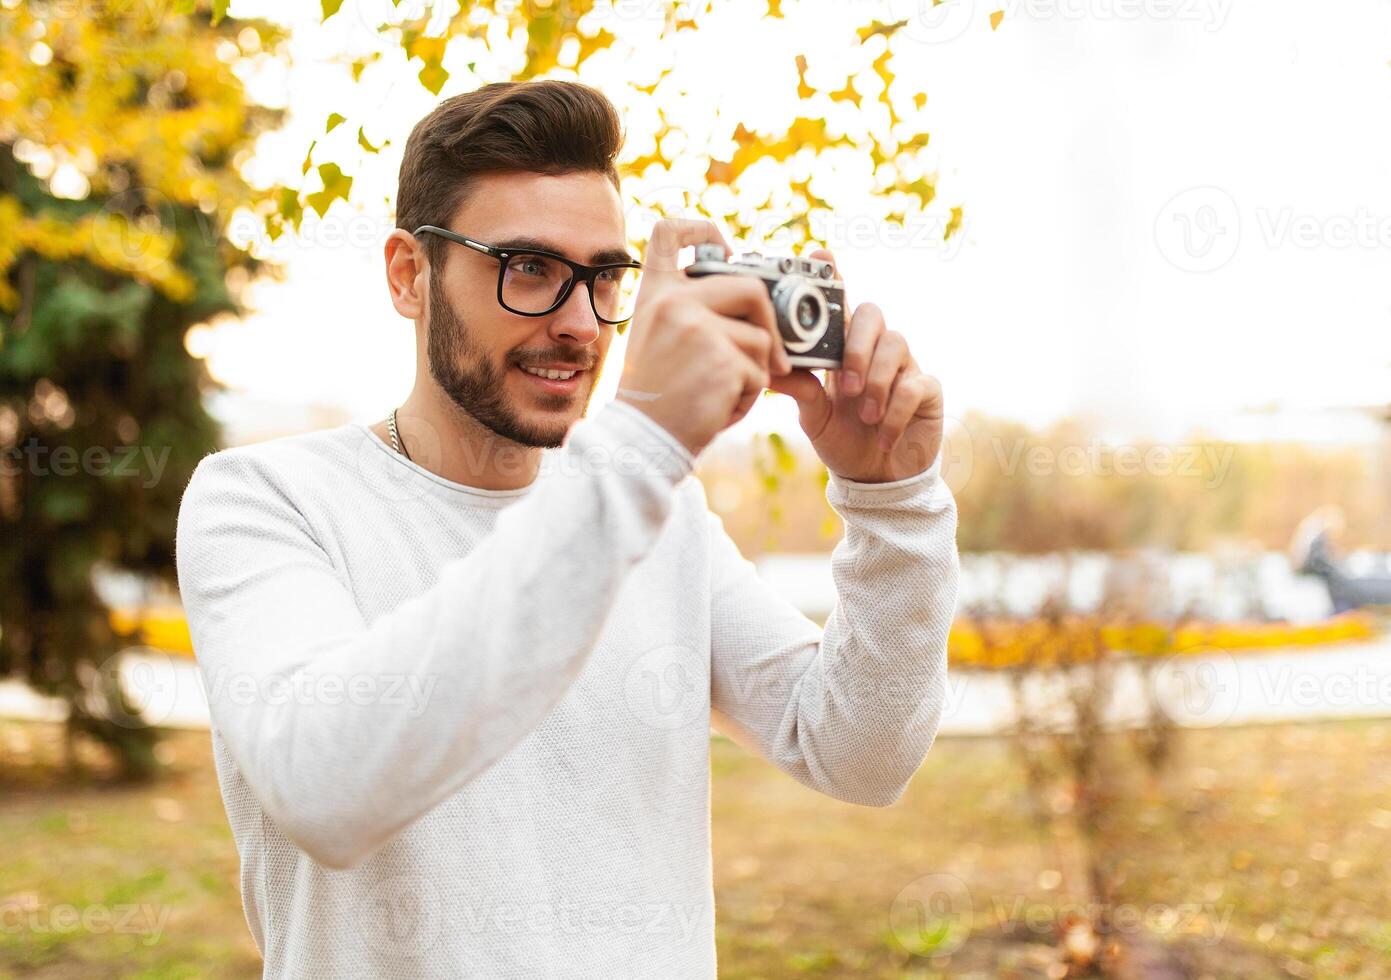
802	313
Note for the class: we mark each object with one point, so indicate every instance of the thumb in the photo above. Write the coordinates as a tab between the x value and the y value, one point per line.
805	388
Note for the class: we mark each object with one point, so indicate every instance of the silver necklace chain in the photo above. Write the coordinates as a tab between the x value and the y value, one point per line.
395	438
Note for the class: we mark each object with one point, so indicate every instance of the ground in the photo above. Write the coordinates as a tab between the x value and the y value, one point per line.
1261	854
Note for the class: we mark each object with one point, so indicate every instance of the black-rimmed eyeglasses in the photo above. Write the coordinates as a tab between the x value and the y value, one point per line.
534	282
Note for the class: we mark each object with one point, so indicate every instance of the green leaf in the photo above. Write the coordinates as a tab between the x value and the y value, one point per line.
307	155
219	10
433	77
362	142
289	208
330	7
429	50
336	185
361	63
65	502
333	120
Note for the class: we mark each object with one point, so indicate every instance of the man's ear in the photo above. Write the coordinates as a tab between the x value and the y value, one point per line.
407	273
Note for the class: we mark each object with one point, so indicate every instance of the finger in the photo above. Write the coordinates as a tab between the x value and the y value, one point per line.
753	341
670	235
889	359
813	402
802	385
910	394
745	299
861	337
755	379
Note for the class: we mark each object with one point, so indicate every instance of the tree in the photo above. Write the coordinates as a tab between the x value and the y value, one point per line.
123	128
852	113
120	138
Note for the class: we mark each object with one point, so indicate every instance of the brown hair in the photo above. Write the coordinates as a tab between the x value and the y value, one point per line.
548	127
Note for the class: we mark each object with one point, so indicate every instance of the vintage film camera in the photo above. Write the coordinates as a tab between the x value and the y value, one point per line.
808	301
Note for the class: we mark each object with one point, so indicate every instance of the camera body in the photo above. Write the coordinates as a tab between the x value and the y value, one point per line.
808	301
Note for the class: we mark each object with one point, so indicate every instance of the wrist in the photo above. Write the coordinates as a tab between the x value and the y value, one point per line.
656	432
642	402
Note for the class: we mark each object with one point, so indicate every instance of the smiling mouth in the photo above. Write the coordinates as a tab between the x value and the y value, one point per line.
553	380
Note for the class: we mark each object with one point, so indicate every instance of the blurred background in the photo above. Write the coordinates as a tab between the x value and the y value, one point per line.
1143	243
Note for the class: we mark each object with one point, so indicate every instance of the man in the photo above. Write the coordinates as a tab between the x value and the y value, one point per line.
463	664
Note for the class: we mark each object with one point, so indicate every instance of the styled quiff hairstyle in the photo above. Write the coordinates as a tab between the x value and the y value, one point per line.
545	127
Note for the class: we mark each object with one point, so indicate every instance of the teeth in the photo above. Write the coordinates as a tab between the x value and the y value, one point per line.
553	375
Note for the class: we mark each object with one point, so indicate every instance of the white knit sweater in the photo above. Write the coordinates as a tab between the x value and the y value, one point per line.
465	733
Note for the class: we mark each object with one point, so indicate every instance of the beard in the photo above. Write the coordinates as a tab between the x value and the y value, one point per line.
472	381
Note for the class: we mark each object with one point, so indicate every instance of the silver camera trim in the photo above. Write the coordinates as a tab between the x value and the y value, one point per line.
789	291
709	259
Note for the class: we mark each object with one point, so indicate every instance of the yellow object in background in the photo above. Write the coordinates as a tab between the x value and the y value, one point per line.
163	628
971	644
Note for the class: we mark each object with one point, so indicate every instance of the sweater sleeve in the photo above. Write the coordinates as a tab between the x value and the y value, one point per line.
300	686
852	710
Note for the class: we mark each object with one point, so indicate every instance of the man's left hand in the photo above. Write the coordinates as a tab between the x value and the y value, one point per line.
878	418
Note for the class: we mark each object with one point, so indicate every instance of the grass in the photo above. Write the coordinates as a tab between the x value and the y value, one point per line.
1261	854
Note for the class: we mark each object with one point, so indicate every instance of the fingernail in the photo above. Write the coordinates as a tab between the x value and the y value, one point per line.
869	411
852	382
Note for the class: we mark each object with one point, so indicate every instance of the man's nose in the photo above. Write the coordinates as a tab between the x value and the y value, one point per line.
575	320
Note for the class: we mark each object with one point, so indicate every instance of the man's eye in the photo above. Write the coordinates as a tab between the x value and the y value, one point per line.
532	267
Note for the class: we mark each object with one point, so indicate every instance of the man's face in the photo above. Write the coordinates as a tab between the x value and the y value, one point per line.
477	349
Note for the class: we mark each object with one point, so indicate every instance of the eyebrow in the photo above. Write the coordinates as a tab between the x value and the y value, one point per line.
603	256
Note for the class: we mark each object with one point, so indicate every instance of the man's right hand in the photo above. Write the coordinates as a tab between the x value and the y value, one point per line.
700	350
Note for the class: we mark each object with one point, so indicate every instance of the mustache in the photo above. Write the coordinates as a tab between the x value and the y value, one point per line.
571	359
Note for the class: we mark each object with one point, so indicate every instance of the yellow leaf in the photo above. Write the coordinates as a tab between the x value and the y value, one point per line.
804	91
362	142
881	68
336	185
433	76
719	173
879	27
361	63
333	120
847	94
995	19
953	223
589	45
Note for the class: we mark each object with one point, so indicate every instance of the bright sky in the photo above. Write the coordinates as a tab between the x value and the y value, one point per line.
1175	209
